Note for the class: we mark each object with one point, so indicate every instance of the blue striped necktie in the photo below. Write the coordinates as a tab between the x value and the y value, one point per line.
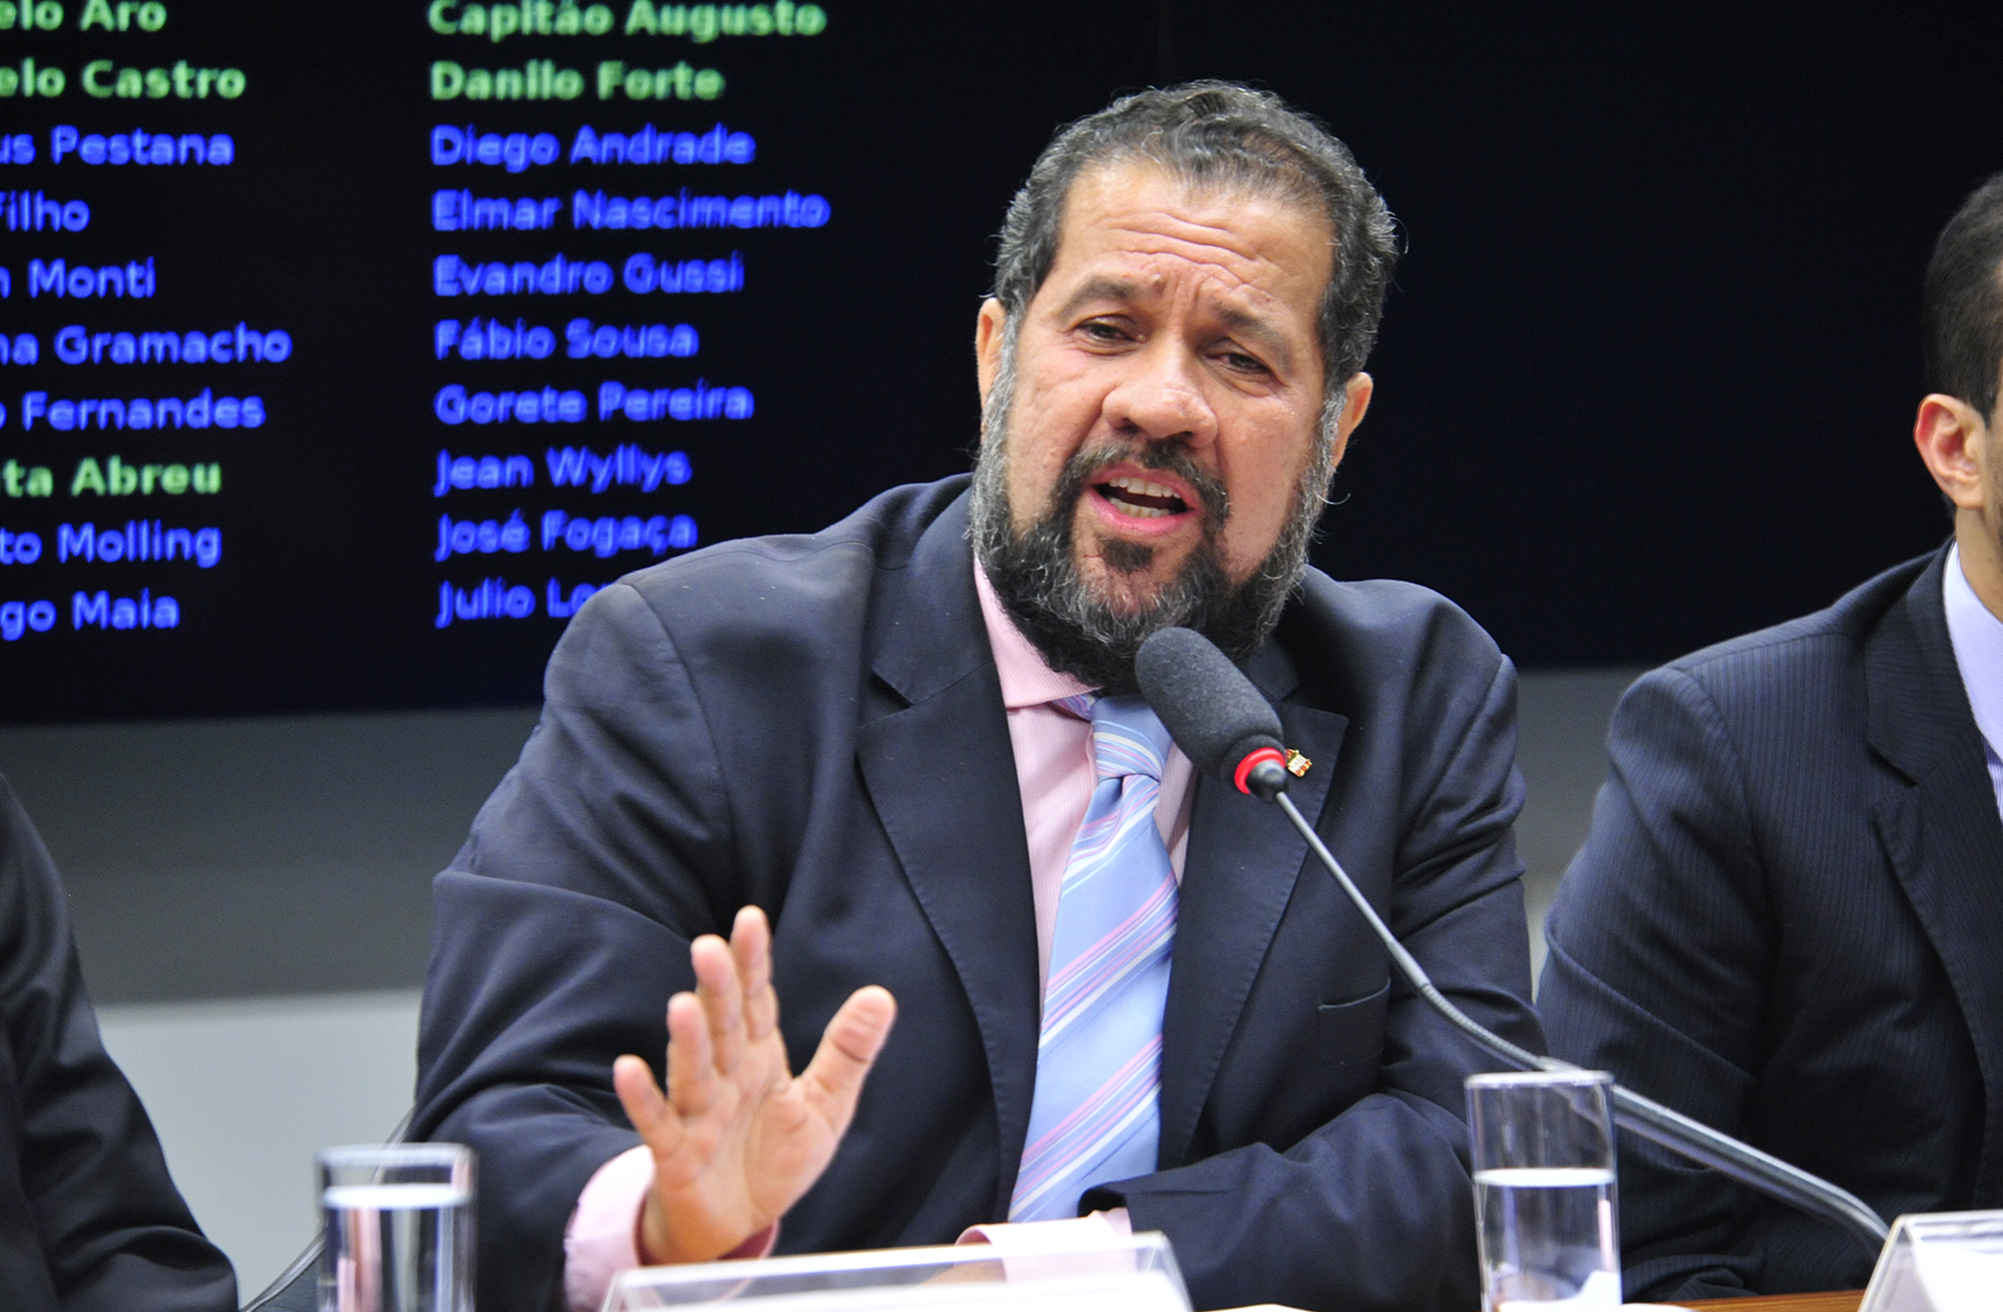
1096	1115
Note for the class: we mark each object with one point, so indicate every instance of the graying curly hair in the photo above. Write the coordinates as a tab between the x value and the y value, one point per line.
1218	134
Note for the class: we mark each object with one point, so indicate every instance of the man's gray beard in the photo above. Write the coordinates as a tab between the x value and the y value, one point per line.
1036	575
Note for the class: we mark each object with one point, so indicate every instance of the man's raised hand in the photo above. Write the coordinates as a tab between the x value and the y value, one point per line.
737	1138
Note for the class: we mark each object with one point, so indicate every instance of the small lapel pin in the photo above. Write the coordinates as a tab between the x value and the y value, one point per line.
1297	765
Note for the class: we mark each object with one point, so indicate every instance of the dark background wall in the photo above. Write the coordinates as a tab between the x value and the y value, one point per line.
1649	373
1645	378
254	857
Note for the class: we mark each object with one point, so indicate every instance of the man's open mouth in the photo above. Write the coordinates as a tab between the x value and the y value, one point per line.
1140	498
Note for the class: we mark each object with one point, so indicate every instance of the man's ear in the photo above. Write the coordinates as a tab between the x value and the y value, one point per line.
988	344
1356	395
1950	436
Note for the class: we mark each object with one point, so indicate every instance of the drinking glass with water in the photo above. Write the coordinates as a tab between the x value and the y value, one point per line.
1544	1190
399	1228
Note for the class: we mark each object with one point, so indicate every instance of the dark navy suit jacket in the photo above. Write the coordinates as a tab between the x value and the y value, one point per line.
89	1220
1788	922
814	724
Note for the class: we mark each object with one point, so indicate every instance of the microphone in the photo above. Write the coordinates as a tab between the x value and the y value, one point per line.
1229	731
1213	712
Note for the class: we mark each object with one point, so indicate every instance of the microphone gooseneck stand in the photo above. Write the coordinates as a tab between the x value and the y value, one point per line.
1231	732
1645	1117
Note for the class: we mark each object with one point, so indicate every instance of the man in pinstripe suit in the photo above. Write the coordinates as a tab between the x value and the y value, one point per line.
1788	918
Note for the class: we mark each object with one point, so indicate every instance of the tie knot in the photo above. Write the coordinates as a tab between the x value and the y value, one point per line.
1127	738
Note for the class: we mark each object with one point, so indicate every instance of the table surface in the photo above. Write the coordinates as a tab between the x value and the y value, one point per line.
1844	1301
1836	1301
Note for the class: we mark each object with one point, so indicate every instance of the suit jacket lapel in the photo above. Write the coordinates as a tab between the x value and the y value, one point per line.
1238	877
1941	831
941	773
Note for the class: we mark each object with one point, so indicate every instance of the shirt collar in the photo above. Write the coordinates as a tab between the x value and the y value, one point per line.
1977	638
1026	679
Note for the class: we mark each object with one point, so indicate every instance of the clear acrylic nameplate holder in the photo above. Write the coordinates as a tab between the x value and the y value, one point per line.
1136	1274
1940	1262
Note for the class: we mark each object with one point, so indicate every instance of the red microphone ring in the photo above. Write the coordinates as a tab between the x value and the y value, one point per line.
1252	761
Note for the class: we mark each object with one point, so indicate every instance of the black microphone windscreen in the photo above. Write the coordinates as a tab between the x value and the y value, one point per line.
1207	704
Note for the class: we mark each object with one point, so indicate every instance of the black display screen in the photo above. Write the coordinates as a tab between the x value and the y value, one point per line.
351	349
348	348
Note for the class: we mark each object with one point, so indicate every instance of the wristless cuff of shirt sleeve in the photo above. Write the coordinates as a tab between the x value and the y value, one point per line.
603	1237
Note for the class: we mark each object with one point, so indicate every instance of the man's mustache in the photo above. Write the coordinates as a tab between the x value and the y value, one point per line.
1171	457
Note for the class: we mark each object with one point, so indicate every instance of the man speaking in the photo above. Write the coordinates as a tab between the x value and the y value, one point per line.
910	750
